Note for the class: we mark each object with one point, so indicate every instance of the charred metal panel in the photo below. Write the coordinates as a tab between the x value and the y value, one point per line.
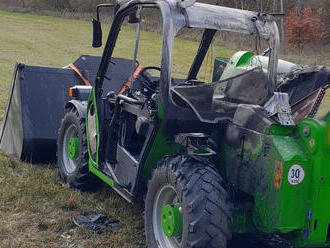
202	15
199	15
252	117
303	81
308	106
246	147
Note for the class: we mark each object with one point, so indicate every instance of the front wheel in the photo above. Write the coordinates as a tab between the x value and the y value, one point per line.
72	153
186	205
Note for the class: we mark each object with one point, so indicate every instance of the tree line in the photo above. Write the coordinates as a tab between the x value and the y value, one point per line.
301	15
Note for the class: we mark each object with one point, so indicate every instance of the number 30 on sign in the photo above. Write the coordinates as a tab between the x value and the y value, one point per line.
296	174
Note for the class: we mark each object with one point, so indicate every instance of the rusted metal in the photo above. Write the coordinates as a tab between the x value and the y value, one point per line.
308	106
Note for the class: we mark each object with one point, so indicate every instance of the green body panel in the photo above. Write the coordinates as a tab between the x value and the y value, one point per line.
266	214
282	208
276	129
93	163
102	176
300	211
161	146
266	162
241	58
314	136
250	60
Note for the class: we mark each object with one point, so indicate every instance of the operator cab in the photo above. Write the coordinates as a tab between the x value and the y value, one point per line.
243	79
167	85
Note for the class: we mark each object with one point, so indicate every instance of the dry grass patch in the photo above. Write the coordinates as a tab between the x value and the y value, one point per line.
36	211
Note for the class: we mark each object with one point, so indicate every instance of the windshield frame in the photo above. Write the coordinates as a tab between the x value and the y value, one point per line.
199	15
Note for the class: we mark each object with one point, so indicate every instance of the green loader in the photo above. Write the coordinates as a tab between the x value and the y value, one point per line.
241	154
246	152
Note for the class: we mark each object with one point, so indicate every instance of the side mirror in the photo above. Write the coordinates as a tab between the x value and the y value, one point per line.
97	34
97	30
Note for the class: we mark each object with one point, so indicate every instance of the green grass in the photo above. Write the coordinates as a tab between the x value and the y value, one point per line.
35	208
40	41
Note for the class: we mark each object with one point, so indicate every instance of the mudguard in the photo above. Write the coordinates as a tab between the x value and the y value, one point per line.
80	106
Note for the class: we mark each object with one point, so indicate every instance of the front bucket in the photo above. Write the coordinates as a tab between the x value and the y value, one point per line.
34	111
37	100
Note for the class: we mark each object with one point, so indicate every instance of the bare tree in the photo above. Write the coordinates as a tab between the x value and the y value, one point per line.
282	26
275	6
299	7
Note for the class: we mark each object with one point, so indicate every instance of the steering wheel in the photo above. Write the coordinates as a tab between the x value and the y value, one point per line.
147	80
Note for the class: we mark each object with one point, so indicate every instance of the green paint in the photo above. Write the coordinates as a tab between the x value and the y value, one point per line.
161	147
241	58
301	210
73	148
313	135
281	209
93	164
288	148
171	221
102	176
276	129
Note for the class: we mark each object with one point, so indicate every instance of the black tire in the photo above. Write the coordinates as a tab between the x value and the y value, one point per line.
203	199
77	177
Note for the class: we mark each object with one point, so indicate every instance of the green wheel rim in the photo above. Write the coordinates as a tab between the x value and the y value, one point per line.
73	148
167	232
172	221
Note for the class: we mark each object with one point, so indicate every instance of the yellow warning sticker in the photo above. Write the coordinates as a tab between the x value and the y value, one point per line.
278	172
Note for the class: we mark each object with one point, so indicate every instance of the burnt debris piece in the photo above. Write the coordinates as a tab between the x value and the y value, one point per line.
97	223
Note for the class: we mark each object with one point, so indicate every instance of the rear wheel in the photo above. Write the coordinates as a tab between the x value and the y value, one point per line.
186	205
72	153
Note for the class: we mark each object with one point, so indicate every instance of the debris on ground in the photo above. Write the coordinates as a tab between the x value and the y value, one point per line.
68	241
98	223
